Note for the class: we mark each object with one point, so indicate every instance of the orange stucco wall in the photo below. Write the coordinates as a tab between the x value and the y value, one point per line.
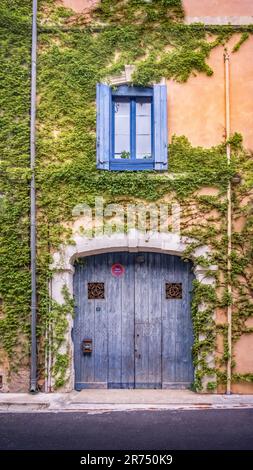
197	107
242	92
79	5
243	353
218	7
243	356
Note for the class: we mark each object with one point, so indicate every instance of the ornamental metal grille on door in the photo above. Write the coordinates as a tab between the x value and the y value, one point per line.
132	327
173	290
96	290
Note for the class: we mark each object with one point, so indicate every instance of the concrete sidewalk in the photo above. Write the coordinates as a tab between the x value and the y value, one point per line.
116	400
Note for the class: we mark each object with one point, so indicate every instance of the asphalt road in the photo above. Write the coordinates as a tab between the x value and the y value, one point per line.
132	430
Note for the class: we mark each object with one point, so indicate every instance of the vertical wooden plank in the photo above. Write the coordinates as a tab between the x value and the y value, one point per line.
184	328
177	328
190	335
76	327
100	329
83	324
148	321
169	316
87	320
114	325
153	290
127	338
141	321
181	330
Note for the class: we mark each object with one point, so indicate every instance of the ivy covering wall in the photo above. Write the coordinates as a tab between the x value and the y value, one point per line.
74	53
15	20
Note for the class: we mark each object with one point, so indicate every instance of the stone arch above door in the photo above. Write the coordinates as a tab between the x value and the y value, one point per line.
133	241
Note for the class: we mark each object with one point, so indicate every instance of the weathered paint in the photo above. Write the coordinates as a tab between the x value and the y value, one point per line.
140	339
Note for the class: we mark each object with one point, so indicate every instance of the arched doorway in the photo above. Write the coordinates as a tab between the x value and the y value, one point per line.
132	326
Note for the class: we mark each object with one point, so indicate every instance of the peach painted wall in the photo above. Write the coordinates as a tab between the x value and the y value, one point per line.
243	355
242	92
218	7
197	107
79	5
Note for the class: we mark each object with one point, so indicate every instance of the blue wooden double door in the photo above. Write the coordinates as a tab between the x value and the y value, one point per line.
132	326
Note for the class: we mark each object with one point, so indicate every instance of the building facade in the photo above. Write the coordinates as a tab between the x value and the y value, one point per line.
144	194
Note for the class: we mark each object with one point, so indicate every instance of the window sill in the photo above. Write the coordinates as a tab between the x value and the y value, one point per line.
132	166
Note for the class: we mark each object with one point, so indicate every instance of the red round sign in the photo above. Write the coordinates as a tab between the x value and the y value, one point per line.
117	270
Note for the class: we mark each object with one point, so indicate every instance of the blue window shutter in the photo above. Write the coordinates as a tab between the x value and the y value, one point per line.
103	126
160	127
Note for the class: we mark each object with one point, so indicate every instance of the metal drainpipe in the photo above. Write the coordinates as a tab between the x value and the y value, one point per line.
229	222
33	378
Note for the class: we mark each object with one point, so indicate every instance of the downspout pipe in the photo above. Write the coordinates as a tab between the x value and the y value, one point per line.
229	223
33	373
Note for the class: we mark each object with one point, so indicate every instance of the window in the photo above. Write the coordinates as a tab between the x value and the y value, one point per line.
132	128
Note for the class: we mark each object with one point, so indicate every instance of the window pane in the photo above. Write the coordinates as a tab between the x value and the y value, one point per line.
122	128
143	129
143	146
121	145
